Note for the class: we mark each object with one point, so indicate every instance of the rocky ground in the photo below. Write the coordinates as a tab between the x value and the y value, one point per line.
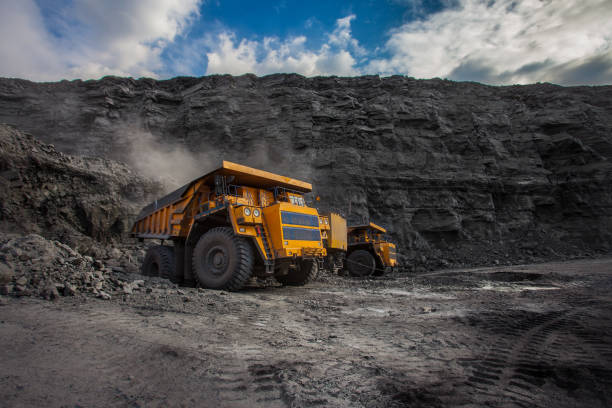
522	336
34	266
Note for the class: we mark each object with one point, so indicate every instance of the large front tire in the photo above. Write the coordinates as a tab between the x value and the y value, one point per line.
222	260
361	263
306	272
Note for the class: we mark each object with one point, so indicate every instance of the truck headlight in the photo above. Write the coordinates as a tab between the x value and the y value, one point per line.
256	213
247	211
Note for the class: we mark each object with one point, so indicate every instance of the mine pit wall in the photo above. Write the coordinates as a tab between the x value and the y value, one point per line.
459	173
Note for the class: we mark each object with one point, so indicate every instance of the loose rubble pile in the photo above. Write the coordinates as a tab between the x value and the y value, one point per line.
31	265
87	203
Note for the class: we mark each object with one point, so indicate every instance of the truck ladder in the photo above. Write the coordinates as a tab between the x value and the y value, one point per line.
269	263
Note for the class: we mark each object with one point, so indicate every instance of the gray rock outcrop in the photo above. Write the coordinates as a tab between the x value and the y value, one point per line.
460	173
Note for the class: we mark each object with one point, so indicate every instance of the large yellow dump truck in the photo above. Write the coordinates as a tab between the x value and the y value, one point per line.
363	249
231	224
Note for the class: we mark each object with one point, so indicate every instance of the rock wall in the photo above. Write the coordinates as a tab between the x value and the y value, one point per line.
460	173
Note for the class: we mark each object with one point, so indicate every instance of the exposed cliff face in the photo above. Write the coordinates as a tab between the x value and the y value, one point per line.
460	173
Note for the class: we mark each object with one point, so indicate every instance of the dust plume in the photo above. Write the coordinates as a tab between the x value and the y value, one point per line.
170	164
173	164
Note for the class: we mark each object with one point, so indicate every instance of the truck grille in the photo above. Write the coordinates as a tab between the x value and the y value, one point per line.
299	219
301	234
312	251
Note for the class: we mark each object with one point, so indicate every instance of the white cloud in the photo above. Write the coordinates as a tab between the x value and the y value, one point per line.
341	36
91	38
26	50
492	41
227	55
127	37
506	41
232	59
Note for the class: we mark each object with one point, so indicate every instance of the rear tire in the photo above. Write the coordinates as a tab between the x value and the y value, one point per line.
306	272
159	261
361	263
222	260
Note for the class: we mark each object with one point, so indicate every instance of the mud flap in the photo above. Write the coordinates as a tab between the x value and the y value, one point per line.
179	262
188	278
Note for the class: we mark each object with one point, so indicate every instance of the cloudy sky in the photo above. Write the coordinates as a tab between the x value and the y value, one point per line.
566	42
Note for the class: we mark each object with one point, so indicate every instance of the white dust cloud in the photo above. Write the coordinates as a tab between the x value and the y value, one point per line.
173	164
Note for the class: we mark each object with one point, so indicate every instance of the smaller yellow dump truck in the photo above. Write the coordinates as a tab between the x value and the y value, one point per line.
369	252
231	224
363	249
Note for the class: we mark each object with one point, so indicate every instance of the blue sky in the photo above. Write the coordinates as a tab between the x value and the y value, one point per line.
491	41
286	18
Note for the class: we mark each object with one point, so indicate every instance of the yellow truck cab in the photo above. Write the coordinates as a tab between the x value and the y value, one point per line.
369	252
231	224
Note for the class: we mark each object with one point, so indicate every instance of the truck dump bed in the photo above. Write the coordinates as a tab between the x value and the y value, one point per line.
337	232
164	217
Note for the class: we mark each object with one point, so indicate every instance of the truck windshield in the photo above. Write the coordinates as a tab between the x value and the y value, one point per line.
295	200
292	196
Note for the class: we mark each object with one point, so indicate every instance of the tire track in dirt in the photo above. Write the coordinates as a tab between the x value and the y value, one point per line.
496	371
527	353
347	344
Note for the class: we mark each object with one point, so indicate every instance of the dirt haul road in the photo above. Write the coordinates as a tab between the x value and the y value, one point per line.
524	336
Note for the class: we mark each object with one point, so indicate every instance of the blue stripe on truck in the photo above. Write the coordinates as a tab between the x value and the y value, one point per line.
293	218
301	234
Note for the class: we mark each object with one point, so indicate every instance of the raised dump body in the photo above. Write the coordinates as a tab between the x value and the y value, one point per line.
231	224
362	249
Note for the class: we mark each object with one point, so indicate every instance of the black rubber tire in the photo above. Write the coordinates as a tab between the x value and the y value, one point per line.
380	268
361	263
222	260
159	261
307	272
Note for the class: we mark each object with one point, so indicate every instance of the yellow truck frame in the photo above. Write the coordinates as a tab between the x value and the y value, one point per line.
231	224
361	249
334	235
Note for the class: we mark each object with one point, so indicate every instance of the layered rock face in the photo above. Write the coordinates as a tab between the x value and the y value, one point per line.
459	173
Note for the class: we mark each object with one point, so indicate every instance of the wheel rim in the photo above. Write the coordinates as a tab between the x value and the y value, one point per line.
216	260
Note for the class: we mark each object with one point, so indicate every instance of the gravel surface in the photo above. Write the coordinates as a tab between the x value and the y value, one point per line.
522	336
